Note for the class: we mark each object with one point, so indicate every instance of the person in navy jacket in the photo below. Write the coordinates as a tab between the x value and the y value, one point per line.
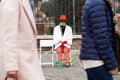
98	46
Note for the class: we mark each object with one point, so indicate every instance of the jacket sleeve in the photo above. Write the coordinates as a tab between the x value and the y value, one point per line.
100	28
10	19
69	41
56	37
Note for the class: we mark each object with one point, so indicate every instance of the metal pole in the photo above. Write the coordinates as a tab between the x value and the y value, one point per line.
74	17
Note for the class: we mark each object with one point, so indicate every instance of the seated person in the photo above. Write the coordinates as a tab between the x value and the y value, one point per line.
62	37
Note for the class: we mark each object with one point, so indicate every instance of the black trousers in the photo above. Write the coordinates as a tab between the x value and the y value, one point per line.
98	73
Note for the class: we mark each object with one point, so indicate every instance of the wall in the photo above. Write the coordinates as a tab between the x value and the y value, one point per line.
75	45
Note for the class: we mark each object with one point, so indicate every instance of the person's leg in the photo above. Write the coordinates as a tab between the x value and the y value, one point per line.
98	73
59	52
66	54
88	75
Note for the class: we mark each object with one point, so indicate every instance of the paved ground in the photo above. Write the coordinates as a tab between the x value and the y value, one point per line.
74	72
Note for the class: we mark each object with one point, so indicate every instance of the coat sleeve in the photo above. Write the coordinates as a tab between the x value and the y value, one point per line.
102	36
10	18
69	41
56	36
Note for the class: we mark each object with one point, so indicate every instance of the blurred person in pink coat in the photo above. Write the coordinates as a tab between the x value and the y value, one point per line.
18	49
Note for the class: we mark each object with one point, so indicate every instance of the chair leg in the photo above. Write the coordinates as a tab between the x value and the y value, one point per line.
52	60
40	57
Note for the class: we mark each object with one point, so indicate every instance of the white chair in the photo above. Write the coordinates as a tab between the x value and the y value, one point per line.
45	44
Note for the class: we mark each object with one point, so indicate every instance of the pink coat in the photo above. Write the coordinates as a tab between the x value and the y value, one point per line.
18	49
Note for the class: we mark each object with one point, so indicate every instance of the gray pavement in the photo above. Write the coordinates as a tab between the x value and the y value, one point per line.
74	72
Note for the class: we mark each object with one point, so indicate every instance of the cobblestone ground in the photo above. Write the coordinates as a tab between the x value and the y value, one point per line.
74	72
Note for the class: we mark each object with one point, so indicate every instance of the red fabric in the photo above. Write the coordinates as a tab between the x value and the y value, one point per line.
65	51
64	42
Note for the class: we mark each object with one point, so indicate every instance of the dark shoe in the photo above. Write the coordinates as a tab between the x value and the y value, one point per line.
67	65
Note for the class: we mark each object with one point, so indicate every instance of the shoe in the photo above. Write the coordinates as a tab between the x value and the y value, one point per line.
60	64
67	65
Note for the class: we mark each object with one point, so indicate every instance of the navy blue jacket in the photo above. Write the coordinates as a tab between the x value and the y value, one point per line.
98	33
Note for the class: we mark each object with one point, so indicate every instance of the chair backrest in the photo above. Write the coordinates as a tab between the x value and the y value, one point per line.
46	43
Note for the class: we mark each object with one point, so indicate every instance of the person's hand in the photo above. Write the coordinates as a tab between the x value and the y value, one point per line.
116	18
60	41
12	74
113	71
